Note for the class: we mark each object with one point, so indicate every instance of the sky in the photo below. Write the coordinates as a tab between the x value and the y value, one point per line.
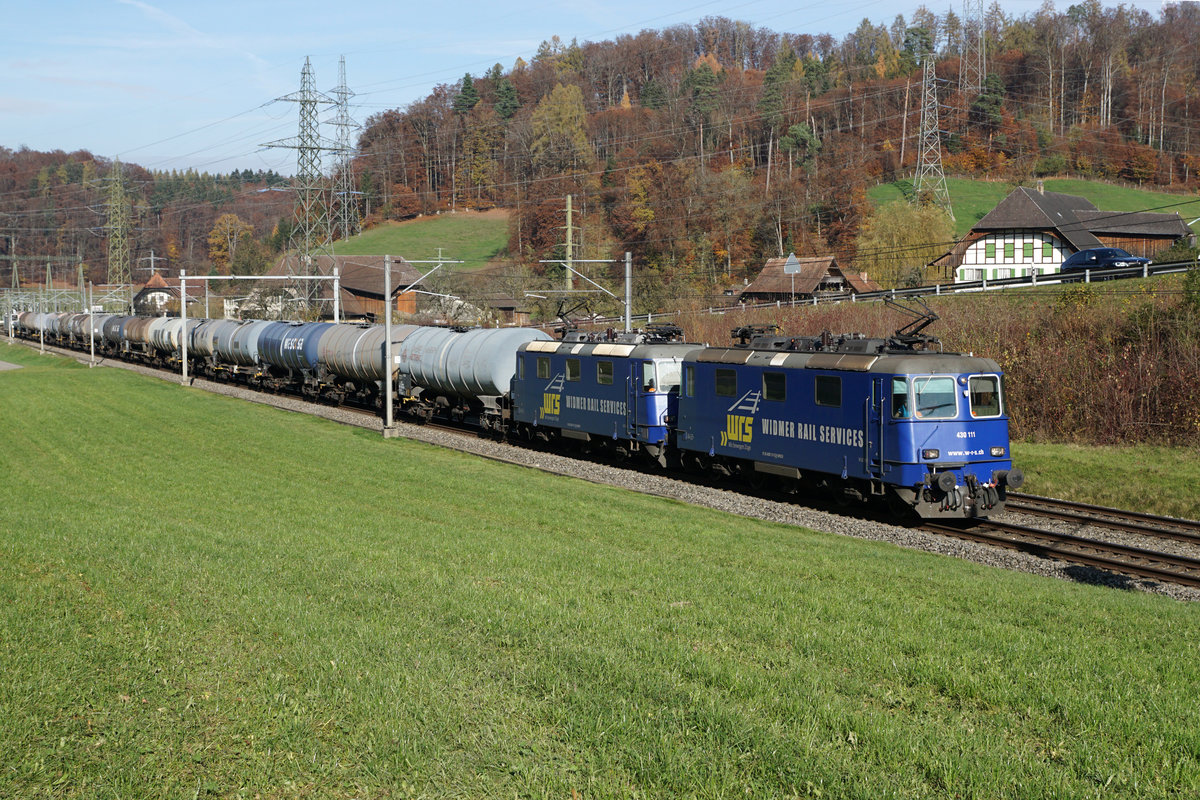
177	84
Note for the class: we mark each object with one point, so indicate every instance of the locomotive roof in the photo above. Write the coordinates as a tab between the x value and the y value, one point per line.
850	352
886	362
613	349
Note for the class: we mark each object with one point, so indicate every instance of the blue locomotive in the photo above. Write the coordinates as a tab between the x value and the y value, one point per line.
852	416
618	391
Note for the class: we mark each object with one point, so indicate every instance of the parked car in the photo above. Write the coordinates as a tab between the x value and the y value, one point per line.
1102	258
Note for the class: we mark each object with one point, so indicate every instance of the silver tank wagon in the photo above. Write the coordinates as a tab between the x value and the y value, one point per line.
468	364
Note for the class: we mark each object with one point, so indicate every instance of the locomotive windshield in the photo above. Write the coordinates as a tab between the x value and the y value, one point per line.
661	376
935	397
668	376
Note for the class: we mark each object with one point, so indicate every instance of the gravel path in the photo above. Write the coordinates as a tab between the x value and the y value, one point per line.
721	500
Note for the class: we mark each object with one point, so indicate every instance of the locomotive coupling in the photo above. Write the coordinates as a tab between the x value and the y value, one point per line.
1012	478
946	481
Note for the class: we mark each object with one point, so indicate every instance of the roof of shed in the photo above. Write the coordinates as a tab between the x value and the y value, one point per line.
773	280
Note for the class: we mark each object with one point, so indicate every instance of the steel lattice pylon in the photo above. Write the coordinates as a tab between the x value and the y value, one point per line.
929	185
974	60
346	220
311	235
119	273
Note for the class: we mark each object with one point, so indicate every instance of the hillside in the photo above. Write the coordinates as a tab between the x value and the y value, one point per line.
474	237
703	148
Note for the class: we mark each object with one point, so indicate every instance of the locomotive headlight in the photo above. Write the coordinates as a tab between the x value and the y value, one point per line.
930	453
997	452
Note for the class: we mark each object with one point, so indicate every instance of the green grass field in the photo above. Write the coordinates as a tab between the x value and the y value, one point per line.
472	237
973	199
206	598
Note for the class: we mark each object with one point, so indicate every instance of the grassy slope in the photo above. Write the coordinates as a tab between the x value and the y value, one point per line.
972	199
467	236
200	596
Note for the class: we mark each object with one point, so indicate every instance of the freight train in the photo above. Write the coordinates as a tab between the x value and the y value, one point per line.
855	418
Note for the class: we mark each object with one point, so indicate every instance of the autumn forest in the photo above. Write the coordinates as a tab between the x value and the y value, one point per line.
704	149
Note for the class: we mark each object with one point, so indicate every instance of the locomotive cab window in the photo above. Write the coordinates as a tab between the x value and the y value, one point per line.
689	381
829	390
543	366
604	373
774	386
726	383
573	370
985	395
900	404
935	397
649	382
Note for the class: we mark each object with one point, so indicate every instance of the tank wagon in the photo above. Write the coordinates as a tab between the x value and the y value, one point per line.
856	418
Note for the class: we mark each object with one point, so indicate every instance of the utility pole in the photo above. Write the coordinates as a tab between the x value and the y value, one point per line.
628	289
388	424
570	245
930	182
311	236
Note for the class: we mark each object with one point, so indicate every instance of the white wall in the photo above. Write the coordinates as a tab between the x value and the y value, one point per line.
976	265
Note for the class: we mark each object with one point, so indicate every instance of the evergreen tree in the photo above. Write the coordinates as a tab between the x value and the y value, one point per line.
507	102
467	97
653	95
986	108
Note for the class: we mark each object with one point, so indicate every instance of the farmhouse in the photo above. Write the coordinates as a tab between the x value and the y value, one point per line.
1032	231
819	276
160	295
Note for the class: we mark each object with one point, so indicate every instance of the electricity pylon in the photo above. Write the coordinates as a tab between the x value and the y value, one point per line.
930	182
310	234
346	221
974	59
119	273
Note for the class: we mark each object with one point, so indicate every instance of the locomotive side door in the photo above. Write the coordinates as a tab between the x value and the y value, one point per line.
634	383
874	413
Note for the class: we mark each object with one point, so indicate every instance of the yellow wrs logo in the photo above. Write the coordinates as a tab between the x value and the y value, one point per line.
737	429
550	405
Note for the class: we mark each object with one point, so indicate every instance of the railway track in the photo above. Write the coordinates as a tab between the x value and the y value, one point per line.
1110	556
1152	525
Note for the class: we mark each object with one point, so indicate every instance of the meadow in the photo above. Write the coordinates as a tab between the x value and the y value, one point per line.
207	598
470	236
973	199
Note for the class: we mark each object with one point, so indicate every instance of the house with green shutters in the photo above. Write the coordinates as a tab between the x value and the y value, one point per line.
1033	232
